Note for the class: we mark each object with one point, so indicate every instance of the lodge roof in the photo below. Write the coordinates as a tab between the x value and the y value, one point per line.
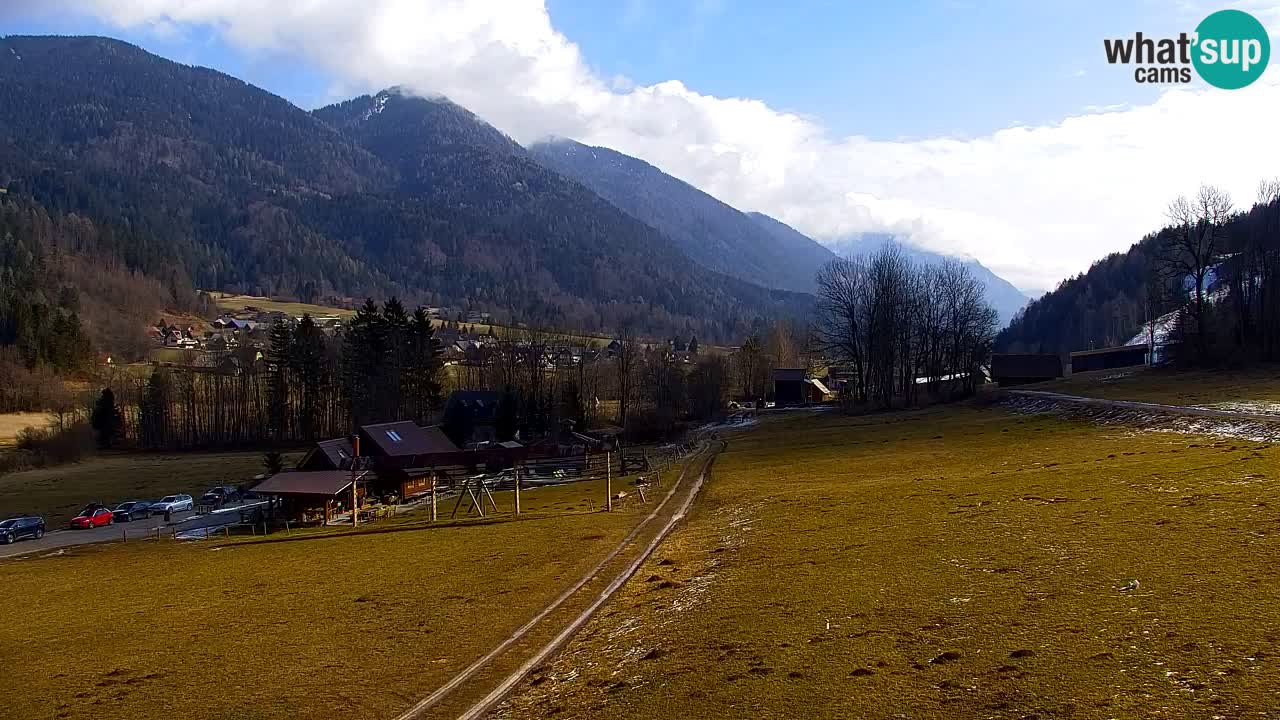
790	374
314	482
403	438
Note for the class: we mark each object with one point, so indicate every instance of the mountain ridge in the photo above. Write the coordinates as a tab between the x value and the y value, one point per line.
245	192
711	232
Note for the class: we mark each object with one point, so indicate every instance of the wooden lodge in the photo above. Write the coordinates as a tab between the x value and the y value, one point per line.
384	460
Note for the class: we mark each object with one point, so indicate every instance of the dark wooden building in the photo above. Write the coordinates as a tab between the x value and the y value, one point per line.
314	495
395	458
793	386
478	409
1022	368
1109	358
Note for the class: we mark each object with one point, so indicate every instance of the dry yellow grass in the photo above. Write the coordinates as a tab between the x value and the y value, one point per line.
1259	384
326	624
954	563
13	423
59	492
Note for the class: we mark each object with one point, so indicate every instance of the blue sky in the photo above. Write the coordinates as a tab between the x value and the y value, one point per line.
916	68
993	130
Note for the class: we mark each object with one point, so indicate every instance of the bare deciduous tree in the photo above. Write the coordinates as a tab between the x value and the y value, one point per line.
1194	246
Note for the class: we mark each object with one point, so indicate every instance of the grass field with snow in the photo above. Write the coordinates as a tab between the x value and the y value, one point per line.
951	563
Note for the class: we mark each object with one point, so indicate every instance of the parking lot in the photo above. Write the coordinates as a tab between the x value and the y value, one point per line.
58	538
62	537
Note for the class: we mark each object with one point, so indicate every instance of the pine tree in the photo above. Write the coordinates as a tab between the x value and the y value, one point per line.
693	345
106	420
307	361
389	377
363	349
420	384
154	410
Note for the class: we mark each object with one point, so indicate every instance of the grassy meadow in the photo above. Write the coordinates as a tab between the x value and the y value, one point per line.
13	423
59	492
320	623
951	563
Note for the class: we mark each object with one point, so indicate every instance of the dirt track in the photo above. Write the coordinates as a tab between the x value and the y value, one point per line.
477	706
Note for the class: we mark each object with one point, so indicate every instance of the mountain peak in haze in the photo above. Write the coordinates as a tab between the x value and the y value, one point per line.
712	233
1003	296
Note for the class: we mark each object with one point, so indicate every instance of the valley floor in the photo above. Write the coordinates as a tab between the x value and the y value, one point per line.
955	562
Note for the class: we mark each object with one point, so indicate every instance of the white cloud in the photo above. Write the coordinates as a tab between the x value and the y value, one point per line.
1036	204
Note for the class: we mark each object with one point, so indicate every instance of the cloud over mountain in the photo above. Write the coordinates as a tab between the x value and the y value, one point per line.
1034	204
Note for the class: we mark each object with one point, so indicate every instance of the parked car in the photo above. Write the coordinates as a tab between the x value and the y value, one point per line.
15	529
131	510
92	517
172	503
219	496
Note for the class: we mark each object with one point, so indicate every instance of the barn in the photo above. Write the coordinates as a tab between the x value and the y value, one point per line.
1109	358
1023	368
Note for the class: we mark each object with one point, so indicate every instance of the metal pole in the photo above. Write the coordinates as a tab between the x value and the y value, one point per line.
608	482
433	497
355	515
517	491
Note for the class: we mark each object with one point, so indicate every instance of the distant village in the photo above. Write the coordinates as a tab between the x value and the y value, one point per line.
243	336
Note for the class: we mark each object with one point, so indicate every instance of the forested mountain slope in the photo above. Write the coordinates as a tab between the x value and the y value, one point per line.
240	190
1109	304
712	233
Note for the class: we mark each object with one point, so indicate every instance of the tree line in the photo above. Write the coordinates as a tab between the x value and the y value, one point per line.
901	327
1203	288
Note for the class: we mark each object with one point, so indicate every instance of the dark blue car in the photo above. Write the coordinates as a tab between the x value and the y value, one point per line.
15	529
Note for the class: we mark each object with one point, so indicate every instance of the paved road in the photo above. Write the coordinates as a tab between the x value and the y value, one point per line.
62	538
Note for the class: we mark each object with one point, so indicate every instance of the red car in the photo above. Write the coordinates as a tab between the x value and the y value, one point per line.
92	518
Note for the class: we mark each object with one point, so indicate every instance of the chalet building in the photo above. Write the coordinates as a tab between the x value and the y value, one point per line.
479	410
1108	358
1023	368
396	458
793	386
312	495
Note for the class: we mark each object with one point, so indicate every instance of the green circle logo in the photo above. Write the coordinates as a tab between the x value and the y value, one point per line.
1232	49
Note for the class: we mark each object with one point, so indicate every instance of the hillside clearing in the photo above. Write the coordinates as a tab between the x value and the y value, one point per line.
957	562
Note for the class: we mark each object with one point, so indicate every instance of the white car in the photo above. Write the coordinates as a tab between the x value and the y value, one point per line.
172	503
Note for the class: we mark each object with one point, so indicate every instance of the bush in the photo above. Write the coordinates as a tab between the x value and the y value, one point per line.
42	447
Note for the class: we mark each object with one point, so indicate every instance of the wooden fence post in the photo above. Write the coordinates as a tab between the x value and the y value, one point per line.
517	490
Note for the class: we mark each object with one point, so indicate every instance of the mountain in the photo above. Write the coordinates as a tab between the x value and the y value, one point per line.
1003	296
710	232
242	191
